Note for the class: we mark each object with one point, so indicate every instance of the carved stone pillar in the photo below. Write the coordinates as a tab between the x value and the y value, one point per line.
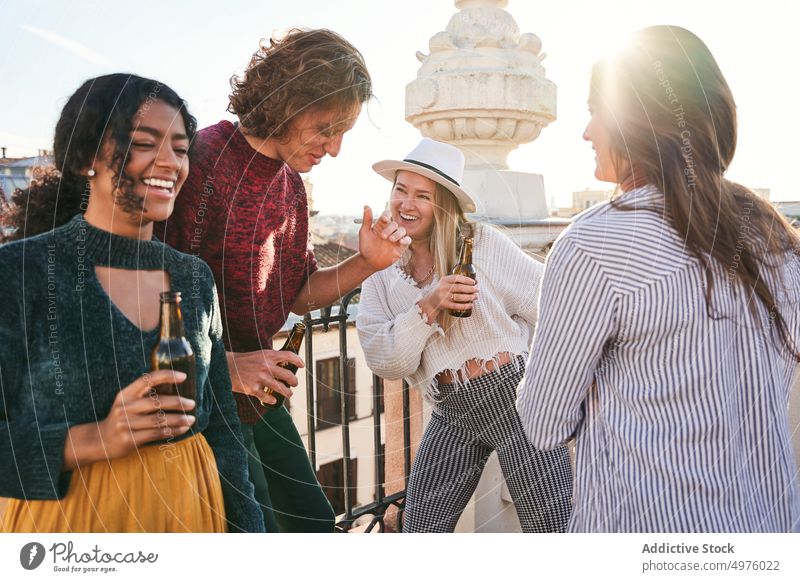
482	88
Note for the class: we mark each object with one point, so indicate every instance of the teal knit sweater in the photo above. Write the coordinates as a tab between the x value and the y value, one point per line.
66	350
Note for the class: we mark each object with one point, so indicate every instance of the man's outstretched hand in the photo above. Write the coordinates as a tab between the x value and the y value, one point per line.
382	243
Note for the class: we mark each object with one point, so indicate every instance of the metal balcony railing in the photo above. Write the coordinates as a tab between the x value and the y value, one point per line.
378	508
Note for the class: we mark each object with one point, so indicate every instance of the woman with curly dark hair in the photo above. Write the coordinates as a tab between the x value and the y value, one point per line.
244	210
86	443
669	327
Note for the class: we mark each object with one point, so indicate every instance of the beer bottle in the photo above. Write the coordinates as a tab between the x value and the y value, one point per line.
173	351
467	269
293	343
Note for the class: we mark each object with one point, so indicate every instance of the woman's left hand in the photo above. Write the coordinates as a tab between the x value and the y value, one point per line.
454	292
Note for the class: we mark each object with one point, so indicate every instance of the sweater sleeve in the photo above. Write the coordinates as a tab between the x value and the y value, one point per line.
575	322
224	435
31	450
392	344
517	276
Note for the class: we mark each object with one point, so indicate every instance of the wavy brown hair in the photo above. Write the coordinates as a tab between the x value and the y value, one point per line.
671	120
305	70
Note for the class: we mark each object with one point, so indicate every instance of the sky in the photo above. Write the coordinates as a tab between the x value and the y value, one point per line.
48	48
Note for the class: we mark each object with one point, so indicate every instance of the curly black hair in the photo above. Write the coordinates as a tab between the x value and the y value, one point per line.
100	112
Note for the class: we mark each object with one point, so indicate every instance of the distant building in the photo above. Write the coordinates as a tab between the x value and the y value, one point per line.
18	172
762	193
790	209
337	228
583	200
588	198
309	186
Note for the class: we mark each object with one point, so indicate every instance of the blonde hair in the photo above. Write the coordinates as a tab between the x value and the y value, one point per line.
450	226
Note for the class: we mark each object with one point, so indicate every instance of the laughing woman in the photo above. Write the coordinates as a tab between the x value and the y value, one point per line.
470	367
83	445
670	317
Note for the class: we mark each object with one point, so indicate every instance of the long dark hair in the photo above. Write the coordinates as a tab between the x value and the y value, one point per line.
672	124
100	112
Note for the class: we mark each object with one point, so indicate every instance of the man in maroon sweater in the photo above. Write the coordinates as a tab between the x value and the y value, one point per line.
244	211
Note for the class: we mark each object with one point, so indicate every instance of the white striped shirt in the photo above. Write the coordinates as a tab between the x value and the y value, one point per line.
681	420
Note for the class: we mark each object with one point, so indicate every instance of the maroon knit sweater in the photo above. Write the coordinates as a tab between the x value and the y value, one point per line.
246	215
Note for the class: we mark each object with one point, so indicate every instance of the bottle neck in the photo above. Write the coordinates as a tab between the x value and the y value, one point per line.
295	339
171	320
466	252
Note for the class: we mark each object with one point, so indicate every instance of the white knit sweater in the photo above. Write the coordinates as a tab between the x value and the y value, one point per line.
399	343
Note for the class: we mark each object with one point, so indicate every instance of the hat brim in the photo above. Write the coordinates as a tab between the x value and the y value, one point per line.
389	168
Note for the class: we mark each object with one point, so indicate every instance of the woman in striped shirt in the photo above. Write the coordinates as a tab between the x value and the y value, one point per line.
669	325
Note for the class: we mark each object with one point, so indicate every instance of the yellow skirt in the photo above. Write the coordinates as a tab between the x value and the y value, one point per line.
171	487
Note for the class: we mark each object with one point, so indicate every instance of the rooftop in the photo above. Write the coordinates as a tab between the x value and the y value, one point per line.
330	254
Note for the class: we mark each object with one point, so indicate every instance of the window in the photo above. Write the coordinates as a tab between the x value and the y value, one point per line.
331	477
329	393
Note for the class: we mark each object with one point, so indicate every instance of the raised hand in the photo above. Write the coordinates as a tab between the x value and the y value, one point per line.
382	243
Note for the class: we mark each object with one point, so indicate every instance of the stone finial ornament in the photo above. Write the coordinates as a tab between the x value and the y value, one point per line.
482	87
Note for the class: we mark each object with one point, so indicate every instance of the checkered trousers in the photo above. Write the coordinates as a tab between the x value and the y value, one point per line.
469	423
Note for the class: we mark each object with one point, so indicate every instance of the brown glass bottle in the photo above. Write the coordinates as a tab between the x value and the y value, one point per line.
293	343
467	269
173	351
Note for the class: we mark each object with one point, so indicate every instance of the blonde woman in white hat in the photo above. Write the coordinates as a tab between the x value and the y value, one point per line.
468	368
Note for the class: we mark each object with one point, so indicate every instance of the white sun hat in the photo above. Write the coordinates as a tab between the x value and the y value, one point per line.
441	162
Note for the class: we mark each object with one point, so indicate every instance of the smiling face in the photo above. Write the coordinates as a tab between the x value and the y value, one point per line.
155	168
597	133
311	137
412	204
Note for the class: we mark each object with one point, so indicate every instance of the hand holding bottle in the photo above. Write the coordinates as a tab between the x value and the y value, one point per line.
137	417
291	346
466	269
454	292
252	372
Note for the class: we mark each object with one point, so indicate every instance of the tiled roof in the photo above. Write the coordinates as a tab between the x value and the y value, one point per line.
330	254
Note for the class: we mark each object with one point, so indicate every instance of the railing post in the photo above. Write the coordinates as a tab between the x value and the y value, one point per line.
311	419
379	472
345	417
